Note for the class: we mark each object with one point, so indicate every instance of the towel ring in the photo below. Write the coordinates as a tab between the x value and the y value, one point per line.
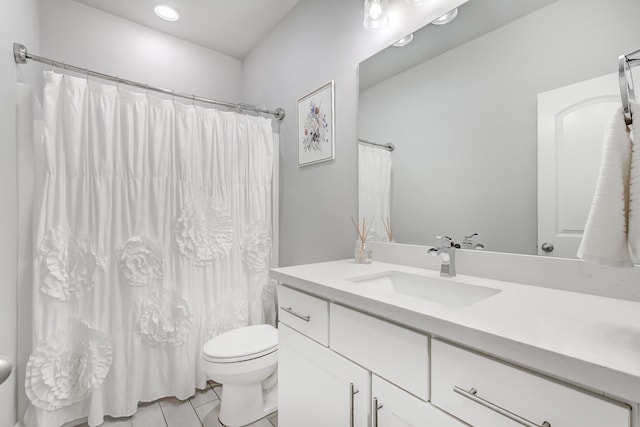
627	92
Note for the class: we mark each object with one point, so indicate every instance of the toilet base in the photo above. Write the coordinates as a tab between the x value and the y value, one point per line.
242	404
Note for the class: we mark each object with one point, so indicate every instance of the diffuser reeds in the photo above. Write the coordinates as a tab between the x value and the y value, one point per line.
362	231
388	229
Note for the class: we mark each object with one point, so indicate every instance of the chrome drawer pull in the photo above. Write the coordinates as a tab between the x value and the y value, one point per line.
298	315
354	391
376	408
472	395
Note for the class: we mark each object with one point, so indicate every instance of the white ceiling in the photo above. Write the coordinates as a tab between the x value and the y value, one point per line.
232	27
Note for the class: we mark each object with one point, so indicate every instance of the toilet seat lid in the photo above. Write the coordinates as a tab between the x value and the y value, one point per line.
247	342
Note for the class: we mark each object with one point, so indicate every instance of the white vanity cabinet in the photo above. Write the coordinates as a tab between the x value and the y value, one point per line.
492	363
320	386
316	386
339	367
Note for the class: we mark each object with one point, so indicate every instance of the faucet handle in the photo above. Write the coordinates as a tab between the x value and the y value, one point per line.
448	240
467	243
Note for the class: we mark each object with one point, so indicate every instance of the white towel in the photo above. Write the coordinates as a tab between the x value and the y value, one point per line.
609	232
634	187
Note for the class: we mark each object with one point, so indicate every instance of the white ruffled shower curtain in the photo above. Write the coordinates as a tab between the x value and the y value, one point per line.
374	189
154	235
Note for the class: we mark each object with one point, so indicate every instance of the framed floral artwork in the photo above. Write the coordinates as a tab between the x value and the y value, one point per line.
315	126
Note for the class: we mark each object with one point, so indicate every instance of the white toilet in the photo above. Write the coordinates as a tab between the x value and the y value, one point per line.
245	362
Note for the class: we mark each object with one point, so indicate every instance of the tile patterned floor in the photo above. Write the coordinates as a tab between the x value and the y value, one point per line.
201	410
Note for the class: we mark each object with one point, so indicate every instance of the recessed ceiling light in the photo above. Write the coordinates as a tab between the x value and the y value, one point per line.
403	41
166	12
446	18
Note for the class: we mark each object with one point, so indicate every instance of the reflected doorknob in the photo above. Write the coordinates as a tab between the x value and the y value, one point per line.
547	247
5	369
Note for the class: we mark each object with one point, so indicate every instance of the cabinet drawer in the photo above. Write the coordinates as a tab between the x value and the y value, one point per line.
304	313
397	354
396	407
497	386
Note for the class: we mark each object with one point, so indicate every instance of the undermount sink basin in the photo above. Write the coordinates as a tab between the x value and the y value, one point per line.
438	290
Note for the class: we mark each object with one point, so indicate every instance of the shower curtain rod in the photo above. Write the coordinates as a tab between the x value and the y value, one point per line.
389	146
21	54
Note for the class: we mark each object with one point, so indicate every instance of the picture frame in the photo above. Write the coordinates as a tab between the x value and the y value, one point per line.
316	136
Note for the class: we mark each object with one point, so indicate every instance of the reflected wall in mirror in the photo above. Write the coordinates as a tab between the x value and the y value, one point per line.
460	105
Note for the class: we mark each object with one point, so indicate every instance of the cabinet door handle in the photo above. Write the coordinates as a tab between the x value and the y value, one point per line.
298	315
376	408
353	391
472	395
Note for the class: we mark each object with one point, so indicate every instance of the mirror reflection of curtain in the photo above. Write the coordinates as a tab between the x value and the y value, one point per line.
153	235
374	187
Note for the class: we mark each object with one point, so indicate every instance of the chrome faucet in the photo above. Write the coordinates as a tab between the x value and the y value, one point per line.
448	254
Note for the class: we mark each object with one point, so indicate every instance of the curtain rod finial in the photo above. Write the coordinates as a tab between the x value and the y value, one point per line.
279	113
19	53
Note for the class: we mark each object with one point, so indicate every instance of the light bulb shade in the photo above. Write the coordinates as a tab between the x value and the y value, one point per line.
375	14
446	18
403	41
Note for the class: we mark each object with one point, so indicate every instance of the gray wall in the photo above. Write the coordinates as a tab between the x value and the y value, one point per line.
87	37
19	24
317	42
464	123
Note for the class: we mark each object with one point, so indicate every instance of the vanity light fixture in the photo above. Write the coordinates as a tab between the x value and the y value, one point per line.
166	12
403	41
446	18
375	14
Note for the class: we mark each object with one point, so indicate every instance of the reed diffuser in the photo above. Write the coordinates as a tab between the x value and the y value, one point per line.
361	253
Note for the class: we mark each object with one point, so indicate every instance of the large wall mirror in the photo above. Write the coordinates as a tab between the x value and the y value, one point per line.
460	104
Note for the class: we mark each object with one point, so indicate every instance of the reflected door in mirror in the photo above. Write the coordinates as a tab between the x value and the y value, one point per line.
571	125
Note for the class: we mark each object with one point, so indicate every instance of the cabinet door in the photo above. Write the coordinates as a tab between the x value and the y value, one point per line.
397	408
315	385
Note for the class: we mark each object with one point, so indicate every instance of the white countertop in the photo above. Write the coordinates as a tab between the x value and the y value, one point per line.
591	341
